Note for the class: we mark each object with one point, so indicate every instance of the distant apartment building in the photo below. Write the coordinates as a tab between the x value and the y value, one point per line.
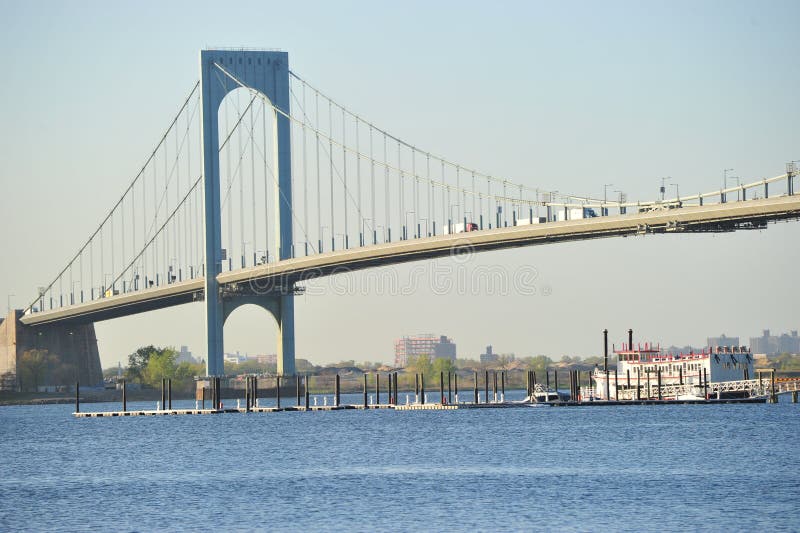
185	356
268	359
723	340
775	344
236	358
489	356
425	344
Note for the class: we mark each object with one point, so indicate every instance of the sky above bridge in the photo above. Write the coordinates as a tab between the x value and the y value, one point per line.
568	96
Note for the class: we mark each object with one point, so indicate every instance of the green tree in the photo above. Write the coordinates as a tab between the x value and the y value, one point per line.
538	363
137	362
160	365
442	364
420	364
504	361
34	367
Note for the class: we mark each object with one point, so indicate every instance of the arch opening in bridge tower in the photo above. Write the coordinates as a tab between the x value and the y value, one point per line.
251	337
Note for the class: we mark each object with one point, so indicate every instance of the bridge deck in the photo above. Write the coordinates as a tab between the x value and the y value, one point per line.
707	218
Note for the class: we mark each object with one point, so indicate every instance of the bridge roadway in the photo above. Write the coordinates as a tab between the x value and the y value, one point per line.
750	214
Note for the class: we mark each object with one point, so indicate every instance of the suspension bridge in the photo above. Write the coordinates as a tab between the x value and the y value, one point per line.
261	181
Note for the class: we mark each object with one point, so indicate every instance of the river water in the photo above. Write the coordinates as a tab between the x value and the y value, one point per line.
632	468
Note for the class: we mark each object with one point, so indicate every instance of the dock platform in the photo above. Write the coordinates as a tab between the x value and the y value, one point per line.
410	407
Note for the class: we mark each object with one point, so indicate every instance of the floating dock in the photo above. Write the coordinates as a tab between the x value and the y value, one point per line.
410	407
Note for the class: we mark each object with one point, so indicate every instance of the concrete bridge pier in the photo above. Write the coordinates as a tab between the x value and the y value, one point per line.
66	353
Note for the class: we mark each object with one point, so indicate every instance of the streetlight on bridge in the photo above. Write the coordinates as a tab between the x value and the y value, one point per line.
663	186
725	182
603	209
621	200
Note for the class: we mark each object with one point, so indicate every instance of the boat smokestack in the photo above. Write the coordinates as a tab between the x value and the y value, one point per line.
630	339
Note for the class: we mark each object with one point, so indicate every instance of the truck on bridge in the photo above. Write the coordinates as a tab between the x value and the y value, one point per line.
575	213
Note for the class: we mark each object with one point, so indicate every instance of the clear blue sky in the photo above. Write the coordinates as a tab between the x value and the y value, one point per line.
562	95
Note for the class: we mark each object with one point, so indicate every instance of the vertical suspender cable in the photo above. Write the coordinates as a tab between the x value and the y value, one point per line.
430	190
415	229
305	172
319	182
266	180
388	214
372	188
253	240
344	179
229	244
358	189
112	252
330	170
458	189
474	213
401	207
445	209
165	237
240	151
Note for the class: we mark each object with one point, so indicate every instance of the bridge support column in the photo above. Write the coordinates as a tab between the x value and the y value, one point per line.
267	72
286	336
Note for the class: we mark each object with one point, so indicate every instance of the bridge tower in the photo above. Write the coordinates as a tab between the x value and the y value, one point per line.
222	71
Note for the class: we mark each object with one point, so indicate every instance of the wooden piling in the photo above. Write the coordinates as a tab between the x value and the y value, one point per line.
336	385
169	393
774	396
163	393
124	396
77	397
365	390
628	372
486	386
503	384
306	391
297	388
377	388
638	383
555	379
441	387
616	385
422	388
660	396
449	388
278	392
255	391
476	388
528	383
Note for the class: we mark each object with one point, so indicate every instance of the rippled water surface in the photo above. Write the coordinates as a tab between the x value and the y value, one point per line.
634	468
